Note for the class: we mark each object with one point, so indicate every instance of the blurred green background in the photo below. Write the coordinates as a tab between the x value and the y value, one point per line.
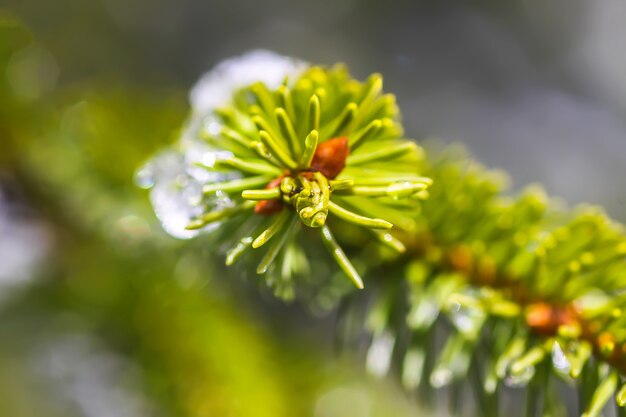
103	314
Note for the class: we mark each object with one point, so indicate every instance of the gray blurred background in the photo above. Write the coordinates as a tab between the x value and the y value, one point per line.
537	88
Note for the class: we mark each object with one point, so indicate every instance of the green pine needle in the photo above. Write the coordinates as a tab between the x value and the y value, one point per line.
300	146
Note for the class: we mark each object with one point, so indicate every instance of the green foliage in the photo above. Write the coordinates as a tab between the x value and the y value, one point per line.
322	144
524	289
525	292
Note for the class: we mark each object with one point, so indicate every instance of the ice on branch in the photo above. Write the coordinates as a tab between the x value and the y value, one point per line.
276	151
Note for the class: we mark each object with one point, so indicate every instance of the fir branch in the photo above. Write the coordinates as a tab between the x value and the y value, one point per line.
530	290
298	149
482	261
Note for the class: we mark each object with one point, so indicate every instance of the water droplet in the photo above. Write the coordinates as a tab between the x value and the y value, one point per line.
212	125
467	319
144	177
174	210
520	379
559	360
198	156
176	192
460	317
